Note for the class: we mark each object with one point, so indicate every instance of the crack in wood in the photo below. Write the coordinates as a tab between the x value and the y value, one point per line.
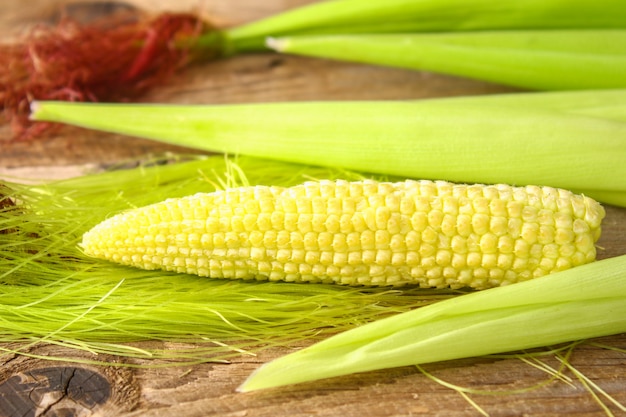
53	391
64	392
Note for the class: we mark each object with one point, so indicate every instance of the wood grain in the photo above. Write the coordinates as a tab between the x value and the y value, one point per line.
208	390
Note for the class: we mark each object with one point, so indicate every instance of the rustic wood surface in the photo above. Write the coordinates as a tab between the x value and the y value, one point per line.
39	387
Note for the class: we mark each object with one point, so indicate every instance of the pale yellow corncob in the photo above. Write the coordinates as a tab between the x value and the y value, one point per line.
432	234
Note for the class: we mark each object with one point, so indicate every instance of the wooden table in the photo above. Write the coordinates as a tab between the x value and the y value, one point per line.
207	390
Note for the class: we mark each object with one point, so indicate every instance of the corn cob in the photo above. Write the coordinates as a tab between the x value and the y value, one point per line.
427	233
563	140
414	16
533	59
577	304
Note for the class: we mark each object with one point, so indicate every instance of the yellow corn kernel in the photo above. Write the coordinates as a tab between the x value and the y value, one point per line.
426	233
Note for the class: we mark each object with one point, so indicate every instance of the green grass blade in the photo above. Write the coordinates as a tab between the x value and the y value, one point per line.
584	302
558	139
542	60
389	16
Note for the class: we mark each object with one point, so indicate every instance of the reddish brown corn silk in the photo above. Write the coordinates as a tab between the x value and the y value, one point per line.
108	60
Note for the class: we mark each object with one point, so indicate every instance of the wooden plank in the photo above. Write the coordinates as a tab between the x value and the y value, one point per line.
31	385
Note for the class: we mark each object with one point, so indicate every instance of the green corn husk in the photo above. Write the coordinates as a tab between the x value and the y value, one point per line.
584	302
51	293
404	16
571	140
541	60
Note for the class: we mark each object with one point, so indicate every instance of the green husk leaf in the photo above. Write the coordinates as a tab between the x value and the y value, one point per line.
566	139
51	293
542	60
404	16
584	302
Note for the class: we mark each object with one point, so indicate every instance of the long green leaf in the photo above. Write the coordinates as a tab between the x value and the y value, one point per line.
584	302
389	16
572	140
543	60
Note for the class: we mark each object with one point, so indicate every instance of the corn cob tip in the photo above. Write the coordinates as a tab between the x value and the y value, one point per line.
426	233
